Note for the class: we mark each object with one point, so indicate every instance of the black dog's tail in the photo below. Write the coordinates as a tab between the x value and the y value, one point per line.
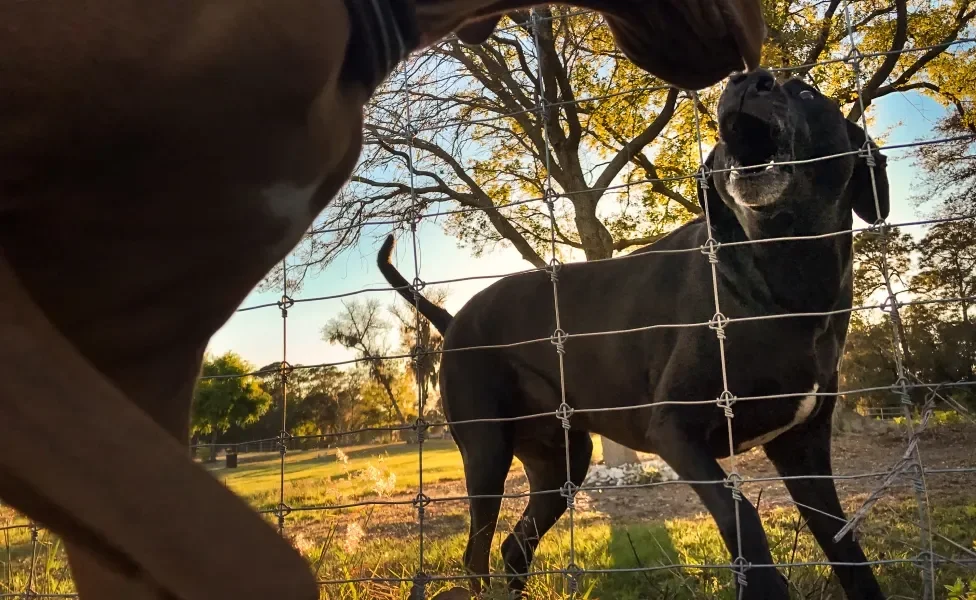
438	317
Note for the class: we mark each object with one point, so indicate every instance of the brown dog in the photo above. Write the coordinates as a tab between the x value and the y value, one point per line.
156	160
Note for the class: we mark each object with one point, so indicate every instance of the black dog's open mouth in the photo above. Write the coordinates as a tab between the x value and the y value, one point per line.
754	146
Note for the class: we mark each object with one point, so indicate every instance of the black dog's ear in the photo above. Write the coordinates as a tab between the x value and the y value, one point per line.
860	189
708	199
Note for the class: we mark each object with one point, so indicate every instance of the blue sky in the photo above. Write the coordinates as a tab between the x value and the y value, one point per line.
257	335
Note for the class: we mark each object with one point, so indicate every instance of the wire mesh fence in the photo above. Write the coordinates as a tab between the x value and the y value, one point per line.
421	578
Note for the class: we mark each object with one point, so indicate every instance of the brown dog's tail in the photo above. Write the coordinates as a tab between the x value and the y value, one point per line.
437	316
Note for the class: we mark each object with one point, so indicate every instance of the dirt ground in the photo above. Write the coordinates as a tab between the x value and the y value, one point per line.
853	454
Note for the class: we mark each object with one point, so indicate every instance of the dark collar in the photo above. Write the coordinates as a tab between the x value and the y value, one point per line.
382	33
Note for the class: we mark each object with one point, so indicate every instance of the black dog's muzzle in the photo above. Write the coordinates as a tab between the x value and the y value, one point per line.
382	33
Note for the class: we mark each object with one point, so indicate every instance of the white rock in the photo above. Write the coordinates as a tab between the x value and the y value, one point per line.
649	471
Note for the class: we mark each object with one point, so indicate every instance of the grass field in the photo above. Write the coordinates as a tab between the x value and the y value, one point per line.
617	529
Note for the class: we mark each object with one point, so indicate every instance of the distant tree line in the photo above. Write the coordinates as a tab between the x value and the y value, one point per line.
237	403
934	281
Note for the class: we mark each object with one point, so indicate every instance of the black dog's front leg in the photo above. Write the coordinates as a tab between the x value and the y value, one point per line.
692	461
806	451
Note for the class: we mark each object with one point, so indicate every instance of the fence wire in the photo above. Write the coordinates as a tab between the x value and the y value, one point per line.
907	470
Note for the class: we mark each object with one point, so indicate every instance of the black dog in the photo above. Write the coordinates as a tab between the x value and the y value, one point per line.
761	122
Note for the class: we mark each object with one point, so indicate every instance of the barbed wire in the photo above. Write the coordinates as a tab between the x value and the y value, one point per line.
908	469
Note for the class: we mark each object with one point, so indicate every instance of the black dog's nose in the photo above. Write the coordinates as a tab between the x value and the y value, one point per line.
758	82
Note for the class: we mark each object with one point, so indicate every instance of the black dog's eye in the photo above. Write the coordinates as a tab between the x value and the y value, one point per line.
806	95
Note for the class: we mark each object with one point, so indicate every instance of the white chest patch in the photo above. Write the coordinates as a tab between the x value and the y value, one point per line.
293	205
803	411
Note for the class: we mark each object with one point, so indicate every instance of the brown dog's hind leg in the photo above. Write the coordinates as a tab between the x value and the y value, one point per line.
169	408
77	455
95	579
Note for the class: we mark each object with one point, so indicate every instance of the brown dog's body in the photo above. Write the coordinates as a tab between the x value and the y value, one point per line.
156	160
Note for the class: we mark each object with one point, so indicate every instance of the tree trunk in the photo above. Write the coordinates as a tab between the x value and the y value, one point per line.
407	435
906	352
615	455
385	382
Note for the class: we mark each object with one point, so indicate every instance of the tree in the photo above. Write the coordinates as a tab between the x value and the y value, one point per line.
947	271
327	395
938	336
947	265
950	188
616	145
226	396
418	336
308	411
361	328
880	261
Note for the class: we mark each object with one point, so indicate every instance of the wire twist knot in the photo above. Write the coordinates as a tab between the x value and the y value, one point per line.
573	574
740	566
734	483
918	485
558	340
867	153
421	501
544	110
710	249
890	305
416	352
550	196
413	216
419	589
718	324
417	286
564	413
285	369
421	426
569	491
284	304
900	388
281	511
703	175
725	402
924	560
879	227
283	438
554	266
